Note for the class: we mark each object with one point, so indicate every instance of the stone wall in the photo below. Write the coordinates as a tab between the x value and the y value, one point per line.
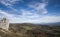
4	23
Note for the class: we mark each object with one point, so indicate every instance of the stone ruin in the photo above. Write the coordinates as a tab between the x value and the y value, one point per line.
4	23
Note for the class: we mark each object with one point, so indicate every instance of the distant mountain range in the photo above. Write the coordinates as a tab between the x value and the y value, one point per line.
50	24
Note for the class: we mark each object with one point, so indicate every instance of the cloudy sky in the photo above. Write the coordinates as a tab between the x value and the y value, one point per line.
30	11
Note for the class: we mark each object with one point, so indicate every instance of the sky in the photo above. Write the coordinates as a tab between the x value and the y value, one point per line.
30	11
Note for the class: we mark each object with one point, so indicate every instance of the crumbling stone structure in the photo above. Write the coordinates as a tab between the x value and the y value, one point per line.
4	23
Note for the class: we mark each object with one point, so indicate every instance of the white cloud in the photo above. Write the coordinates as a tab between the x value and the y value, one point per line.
29	16
44	19
39	7
5	14
50	19
35	18
10	3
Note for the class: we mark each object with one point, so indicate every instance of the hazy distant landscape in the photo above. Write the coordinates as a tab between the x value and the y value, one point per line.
31	30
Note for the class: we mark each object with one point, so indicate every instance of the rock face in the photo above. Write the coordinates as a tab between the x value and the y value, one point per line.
4	24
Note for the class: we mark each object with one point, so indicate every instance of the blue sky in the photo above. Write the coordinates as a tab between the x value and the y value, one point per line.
30	11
